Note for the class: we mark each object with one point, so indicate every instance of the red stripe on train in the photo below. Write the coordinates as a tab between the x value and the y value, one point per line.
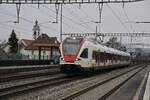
71	59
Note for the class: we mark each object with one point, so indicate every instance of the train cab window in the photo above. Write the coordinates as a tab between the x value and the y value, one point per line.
84	53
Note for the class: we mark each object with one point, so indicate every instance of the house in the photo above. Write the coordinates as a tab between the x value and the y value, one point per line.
23	43
6	47
44	47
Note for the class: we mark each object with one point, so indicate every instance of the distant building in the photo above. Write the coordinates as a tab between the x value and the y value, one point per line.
6	47
44	47
23	44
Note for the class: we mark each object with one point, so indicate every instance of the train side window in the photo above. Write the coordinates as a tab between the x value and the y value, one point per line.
121	58
94	55
84	53
127	58
109	56
102	57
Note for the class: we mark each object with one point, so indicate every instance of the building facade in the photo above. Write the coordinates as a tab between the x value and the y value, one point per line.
44	47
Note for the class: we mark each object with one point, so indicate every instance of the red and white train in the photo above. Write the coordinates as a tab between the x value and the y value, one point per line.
79	54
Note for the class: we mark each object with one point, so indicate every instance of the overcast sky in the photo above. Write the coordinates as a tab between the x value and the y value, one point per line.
76	19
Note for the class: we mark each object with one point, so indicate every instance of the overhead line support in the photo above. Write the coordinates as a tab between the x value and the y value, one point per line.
63	1
110	34
18	5
61	27
57	11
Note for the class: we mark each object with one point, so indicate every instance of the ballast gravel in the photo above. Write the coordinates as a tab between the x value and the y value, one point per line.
64	90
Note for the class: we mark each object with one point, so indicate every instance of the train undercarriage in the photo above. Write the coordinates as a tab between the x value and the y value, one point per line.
77	69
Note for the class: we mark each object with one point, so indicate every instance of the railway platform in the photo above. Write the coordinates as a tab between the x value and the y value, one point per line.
27	66
147	89
138	88
132	83
14	69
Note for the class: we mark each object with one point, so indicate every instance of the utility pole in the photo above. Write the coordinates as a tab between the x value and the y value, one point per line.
120	39
61	27
96	34
96	29
131	44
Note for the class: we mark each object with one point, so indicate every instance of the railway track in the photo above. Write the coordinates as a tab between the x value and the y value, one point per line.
42	82
9	91
12	78
28	74
15	69
30	79
78	95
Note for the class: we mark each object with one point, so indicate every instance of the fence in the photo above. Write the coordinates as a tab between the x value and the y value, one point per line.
19	59
24	57
13	57
24	62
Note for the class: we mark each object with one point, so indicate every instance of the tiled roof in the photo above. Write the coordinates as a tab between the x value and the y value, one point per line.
45	41
27	42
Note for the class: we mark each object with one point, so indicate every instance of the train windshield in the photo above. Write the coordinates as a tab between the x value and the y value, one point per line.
71	46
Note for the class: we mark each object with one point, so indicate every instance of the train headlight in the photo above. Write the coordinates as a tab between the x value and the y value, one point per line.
62	59
78	59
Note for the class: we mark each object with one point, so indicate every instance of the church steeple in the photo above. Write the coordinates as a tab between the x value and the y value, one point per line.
36	30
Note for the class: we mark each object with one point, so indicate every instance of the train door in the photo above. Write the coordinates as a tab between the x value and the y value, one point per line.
105	59
98	56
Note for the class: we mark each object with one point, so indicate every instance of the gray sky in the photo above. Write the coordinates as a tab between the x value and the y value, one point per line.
76	19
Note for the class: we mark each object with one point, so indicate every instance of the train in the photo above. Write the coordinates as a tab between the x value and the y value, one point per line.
79	54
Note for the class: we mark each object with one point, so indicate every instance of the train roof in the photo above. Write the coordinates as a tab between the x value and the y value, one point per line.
92	42
106	49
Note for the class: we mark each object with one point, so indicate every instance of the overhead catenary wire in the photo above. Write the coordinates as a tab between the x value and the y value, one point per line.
125	13
114	13
25	19
16	29
66	17
48	14
87	15
5	12
44	12
131	26
122	23
79	19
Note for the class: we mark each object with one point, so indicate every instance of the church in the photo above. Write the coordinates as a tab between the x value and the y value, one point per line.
42	46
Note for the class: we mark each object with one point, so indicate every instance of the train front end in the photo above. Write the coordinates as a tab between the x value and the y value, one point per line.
70	60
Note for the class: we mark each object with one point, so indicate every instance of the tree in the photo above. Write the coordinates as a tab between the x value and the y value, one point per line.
13	42
2	51
123	48
114	44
